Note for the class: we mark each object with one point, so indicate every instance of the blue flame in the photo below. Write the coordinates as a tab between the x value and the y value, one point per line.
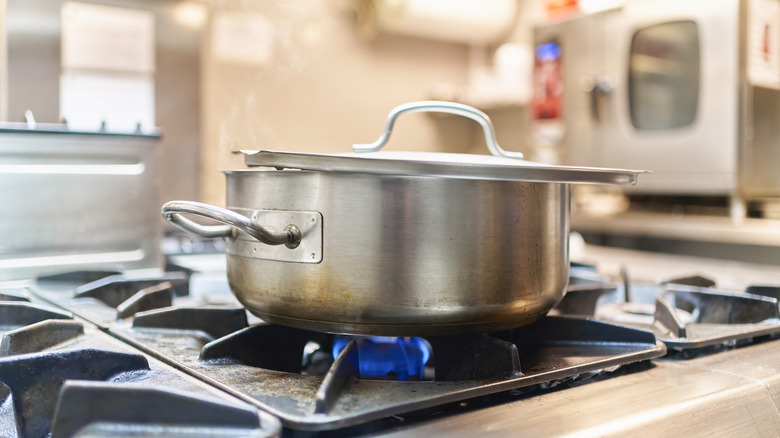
381	355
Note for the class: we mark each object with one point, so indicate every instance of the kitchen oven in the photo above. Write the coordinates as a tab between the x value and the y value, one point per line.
688	90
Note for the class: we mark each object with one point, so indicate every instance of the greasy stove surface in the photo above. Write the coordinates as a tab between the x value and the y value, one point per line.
65	377
685	312
252	364
211	338
730	393
559	377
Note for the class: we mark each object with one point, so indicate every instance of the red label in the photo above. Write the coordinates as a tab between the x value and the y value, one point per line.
547	102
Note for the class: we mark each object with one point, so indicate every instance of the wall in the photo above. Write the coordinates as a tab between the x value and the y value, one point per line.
323	90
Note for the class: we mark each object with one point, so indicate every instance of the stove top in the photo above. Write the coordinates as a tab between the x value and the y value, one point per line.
685	313
731	393
117	354
210	338
60	375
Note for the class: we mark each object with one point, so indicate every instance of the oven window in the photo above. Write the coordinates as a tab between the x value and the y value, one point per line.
663	78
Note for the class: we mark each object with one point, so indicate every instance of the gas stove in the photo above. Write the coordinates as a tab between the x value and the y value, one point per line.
95	353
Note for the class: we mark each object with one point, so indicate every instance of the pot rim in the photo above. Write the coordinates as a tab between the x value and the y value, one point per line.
433	164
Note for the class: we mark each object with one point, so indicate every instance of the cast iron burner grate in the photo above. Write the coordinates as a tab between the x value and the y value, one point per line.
684	313
263	364
63	377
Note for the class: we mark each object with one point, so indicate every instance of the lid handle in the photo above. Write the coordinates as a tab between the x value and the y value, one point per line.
440	107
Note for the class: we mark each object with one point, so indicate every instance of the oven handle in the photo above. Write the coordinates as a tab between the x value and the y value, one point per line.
440	107
172	211
596	89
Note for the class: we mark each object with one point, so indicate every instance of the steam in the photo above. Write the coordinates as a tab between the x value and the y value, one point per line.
295	30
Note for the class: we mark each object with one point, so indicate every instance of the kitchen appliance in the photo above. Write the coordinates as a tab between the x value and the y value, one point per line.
688	90
283	370
117	354
74	199
397	243
173	353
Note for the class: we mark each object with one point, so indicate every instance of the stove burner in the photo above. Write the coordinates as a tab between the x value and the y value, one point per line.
60	377
685	313
383	355
291	372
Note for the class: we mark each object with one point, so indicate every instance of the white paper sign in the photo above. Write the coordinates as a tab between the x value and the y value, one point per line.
96	37
242	37
123	102
763	67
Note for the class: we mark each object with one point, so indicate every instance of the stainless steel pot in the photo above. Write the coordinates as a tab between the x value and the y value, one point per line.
383	244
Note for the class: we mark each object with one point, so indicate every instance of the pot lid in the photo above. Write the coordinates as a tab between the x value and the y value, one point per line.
463	166
501	165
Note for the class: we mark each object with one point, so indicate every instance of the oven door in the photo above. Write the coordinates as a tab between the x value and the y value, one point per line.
573	136
669	100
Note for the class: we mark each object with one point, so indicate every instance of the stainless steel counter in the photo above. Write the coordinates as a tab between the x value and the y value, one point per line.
732	393
752	240
763	232
647	266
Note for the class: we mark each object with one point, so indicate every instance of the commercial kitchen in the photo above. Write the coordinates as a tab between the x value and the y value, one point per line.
389	218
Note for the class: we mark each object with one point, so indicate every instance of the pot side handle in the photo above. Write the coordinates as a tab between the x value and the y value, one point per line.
436	106
172	211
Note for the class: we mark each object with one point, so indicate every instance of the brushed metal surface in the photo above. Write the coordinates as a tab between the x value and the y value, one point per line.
76	200
309	250
239	363
718	395
289	236
472	166
760	155
407	255
441	107
500	165
286	236
758	362
700	158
